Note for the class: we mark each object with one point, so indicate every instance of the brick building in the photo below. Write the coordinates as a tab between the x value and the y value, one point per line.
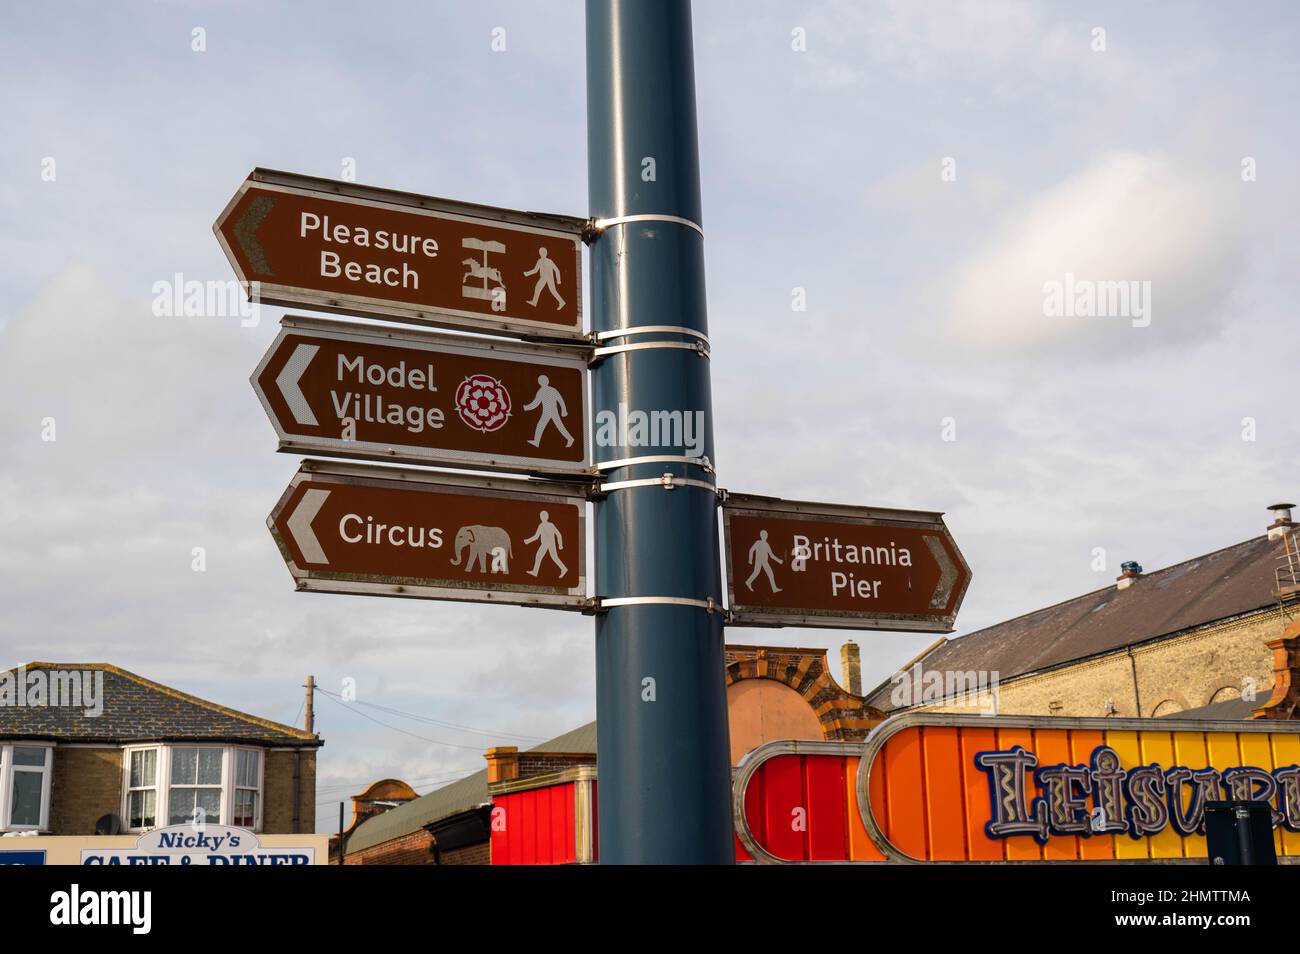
773	692
451	825
89	748
1186	639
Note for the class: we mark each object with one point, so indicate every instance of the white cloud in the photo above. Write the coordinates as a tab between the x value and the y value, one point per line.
1127	217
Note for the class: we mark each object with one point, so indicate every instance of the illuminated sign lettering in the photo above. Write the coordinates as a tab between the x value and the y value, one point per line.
1102	797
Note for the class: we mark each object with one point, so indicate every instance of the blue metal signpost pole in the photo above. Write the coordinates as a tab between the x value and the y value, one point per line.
662	742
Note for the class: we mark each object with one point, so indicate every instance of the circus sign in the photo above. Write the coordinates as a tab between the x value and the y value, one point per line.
387	531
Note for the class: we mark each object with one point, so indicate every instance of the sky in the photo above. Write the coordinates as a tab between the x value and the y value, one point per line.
916	173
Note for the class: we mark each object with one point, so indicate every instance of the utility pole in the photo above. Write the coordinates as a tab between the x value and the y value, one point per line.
343	847
309	712
661	709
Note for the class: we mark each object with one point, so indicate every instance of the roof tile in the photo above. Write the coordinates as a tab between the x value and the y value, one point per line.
1229	582
136	709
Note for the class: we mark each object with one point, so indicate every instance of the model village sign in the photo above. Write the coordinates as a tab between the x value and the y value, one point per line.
379	393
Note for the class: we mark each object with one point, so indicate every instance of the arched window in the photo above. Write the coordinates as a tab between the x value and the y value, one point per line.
1167	707
1224	693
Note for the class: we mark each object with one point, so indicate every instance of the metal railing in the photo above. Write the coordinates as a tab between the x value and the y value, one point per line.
1286	576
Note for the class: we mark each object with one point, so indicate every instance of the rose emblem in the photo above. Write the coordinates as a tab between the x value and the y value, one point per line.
483	402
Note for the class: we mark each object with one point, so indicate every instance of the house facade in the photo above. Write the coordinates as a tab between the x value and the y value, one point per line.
92	749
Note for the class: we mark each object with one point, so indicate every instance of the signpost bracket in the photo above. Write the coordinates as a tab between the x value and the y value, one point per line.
598	336
703	462
668	481
699	347
709	605
596	226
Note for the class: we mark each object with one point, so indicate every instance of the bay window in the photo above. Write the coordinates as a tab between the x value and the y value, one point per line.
248	786
195	784
25	771
172	784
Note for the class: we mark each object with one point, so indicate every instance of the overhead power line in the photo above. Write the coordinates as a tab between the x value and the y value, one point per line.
423	738
491	733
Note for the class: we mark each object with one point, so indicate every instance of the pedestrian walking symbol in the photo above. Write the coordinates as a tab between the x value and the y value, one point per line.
548	538
759	556
549	399
548	277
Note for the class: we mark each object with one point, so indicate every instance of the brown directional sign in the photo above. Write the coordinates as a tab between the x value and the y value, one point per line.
805	564
377	393
350	528
340	247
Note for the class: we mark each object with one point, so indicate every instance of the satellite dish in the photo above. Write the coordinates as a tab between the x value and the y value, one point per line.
108	825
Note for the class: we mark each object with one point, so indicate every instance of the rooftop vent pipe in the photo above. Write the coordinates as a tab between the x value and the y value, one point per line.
1131	571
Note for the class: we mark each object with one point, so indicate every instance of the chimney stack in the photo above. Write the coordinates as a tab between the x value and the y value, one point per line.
502	763
1131	571
1281	525
851	667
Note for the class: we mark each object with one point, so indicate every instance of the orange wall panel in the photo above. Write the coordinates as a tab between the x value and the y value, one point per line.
975	797
929	799
905	801
945	821
1098	846
861	847
1053	748
1021	849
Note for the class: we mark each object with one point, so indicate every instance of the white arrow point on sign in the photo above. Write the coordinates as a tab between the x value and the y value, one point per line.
287	381
299	524
947	573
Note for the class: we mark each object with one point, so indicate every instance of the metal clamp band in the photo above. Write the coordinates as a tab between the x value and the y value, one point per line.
647	330
699	347
655	459
667	482
605	602
600	225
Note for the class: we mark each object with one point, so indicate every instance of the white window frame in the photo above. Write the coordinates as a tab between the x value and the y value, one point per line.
127	789
222	785
7	769
163	786
259	786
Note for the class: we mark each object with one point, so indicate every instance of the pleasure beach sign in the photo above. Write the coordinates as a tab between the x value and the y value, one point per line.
336	246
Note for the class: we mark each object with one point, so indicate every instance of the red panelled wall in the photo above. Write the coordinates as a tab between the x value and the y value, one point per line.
534	827
798	808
